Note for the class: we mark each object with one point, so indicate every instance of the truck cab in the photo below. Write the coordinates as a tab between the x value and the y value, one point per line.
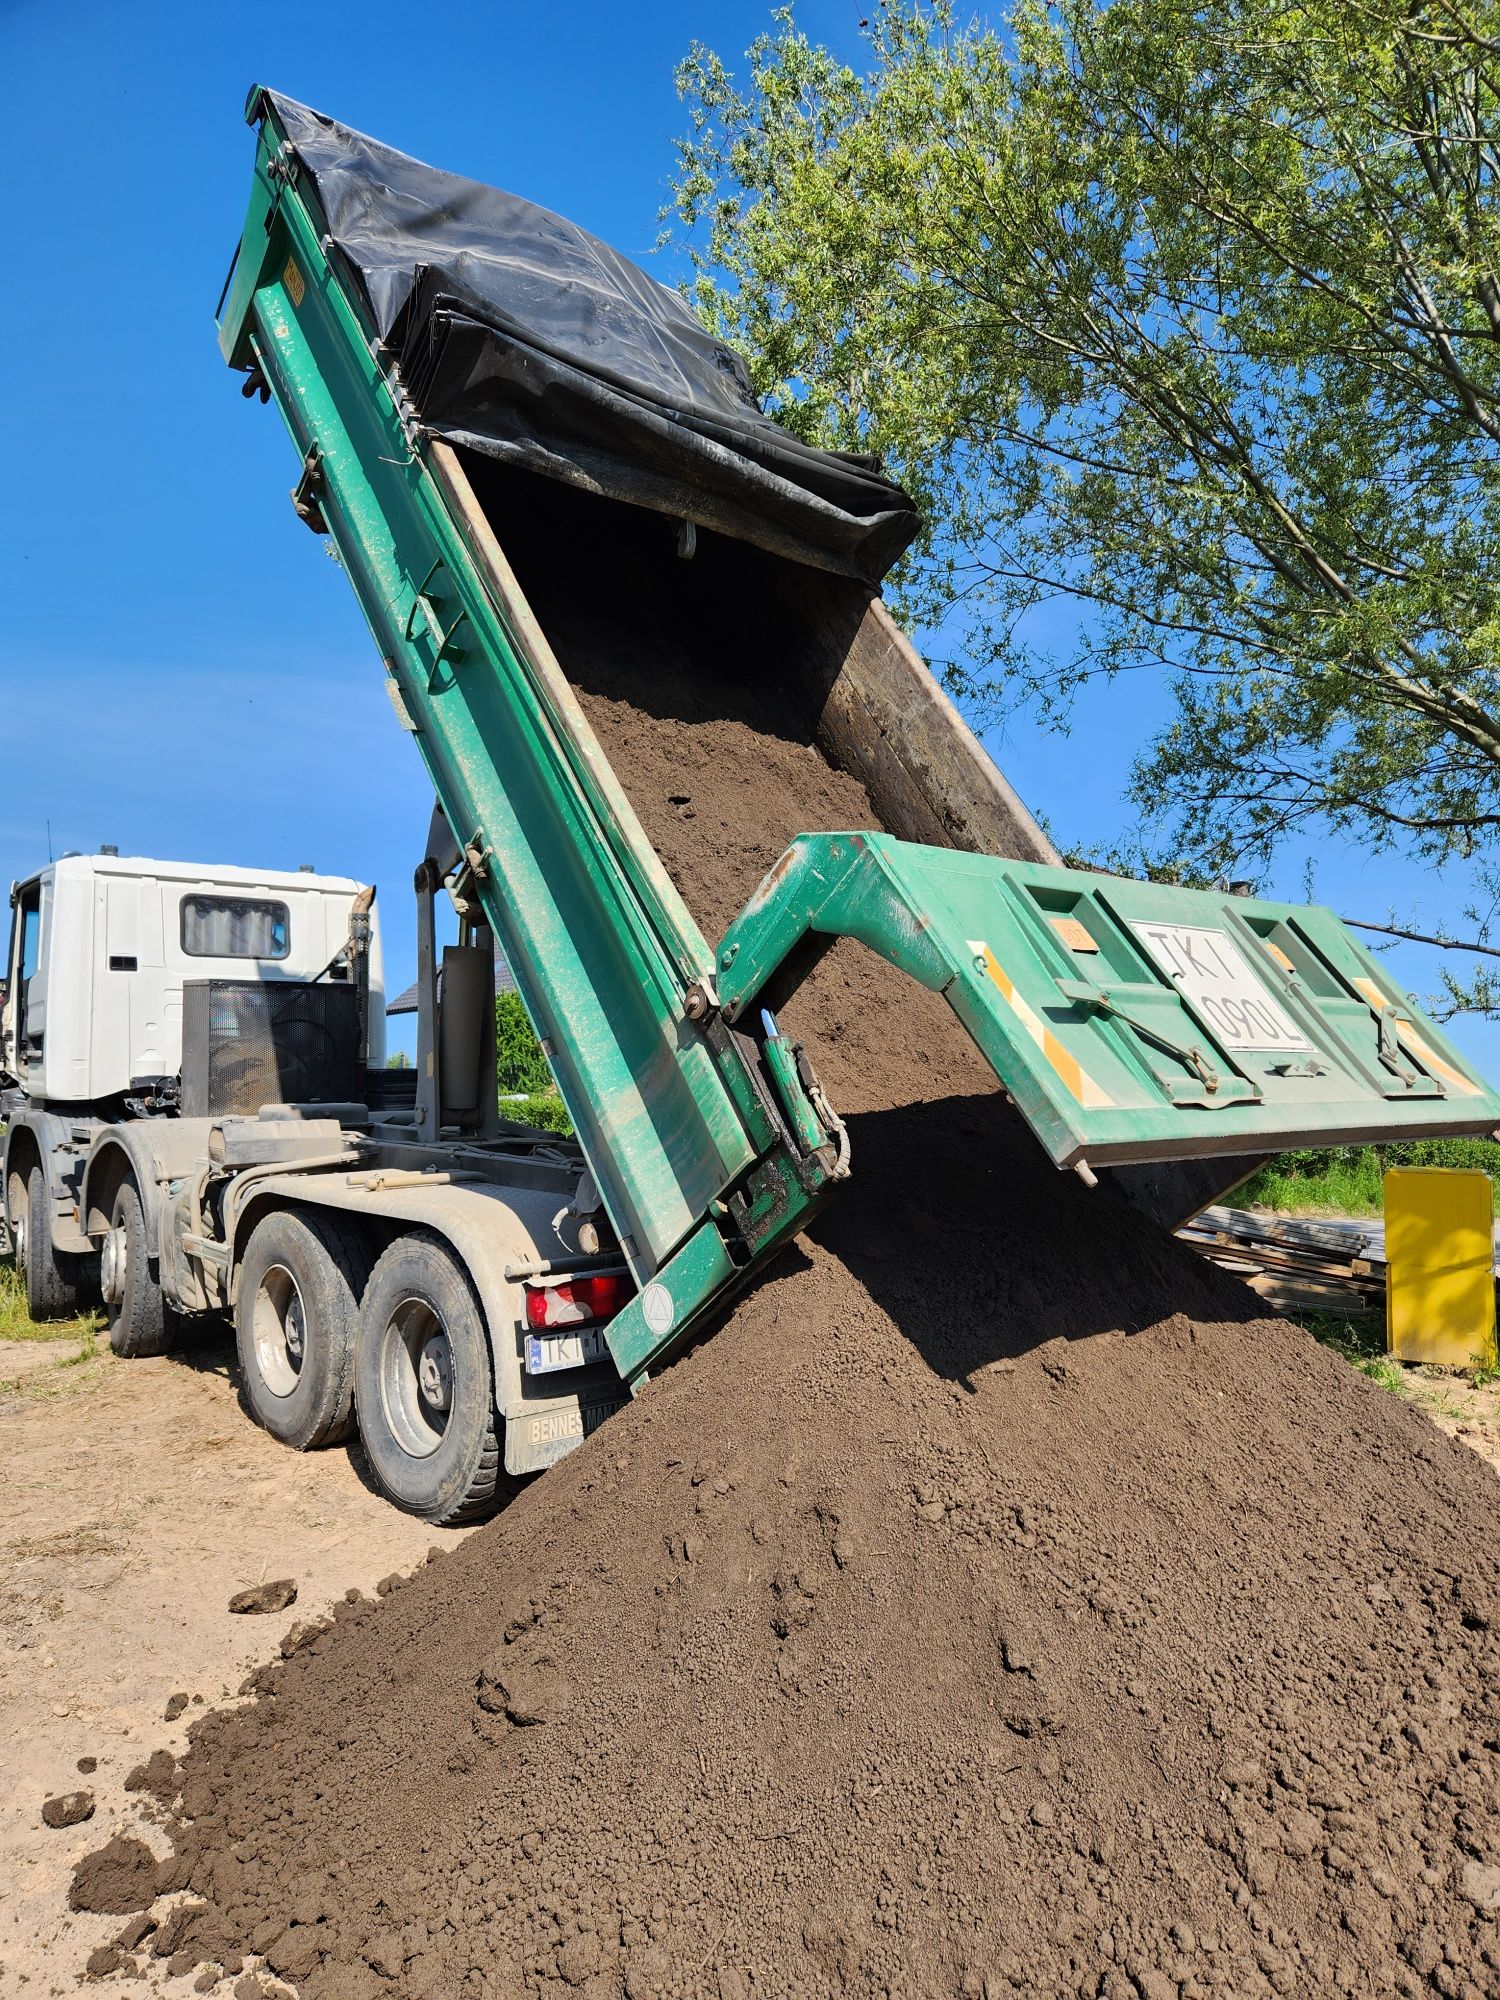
100	949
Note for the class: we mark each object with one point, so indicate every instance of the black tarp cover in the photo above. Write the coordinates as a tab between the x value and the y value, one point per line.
521	336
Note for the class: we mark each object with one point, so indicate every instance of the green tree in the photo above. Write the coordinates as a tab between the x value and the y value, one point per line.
521	1070
523	1076
1187	312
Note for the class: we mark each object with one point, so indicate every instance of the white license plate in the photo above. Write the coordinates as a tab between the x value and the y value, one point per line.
547	1352
1211	973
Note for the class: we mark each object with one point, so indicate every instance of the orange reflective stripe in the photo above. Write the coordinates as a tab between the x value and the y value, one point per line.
1408	1034
1088	1093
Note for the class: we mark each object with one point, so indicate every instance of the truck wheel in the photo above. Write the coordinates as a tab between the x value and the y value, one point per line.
294	1326
134	1307
50	1294
423	1386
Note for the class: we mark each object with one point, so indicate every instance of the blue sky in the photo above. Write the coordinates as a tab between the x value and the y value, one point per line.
182	670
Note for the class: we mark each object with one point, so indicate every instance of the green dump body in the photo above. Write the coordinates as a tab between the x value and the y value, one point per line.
1127	1021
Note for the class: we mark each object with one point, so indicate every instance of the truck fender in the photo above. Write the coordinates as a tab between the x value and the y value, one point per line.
46	1137
153	1151
21	1152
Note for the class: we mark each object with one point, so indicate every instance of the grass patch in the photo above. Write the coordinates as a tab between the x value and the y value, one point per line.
1347	1179
1360	1342
16	1322
1442	1392
63	1375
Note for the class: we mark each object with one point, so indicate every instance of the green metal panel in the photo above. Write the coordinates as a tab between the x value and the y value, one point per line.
659	1317
602	950
1129	1021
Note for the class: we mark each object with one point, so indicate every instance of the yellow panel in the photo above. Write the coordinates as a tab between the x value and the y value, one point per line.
1440	1257
1075	935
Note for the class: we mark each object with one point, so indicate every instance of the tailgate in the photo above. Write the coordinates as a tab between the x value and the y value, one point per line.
1129	1021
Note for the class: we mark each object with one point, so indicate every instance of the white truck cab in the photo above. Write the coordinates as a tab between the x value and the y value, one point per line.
91	1026
101	944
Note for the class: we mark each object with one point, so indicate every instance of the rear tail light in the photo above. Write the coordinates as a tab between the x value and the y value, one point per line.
576	1302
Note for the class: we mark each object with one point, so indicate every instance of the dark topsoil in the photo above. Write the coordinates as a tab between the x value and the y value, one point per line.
994	1604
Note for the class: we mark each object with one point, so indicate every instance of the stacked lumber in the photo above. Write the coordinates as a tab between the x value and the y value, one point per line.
1295	1263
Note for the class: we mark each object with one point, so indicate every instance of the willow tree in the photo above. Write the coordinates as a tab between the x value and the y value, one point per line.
1190	313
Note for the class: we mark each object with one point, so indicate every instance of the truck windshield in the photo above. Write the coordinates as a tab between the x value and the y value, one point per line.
234	927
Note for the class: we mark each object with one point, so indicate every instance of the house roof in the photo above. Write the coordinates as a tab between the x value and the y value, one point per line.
406	1001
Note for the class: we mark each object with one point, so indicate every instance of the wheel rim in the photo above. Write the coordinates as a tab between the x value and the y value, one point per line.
114	1253
114	1304
416	1377
278	1328
18	1243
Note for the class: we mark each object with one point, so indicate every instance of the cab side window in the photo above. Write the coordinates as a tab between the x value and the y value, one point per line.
234	927
26	946
31	930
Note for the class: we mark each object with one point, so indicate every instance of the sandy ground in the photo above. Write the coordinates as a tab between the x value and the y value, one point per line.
1464	1409
137	1499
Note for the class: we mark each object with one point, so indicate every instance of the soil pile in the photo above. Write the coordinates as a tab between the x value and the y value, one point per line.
993	1605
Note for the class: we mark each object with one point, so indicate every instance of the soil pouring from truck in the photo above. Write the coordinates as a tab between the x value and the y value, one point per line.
478	393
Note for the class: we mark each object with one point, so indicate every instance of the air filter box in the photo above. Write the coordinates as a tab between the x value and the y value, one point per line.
249	1042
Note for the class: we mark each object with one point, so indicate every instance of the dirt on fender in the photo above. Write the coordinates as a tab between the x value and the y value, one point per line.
992	1605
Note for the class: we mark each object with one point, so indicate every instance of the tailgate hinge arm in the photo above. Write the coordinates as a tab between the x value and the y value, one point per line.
1102	1003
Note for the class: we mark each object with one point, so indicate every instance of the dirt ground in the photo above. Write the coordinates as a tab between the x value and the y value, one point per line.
1462	1407
138	1499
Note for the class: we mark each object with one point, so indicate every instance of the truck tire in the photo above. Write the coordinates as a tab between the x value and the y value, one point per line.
50	1290
294	1326
139	1323
424	1387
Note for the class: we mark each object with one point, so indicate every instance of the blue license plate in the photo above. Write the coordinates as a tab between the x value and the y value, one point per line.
546	1353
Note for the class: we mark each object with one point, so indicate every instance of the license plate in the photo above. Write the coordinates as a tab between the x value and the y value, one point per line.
1212	974
548	1352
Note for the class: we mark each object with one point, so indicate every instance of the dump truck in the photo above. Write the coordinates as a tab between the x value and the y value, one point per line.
482	398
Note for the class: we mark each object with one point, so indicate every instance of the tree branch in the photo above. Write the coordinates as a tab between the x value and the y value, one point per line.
1422	937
